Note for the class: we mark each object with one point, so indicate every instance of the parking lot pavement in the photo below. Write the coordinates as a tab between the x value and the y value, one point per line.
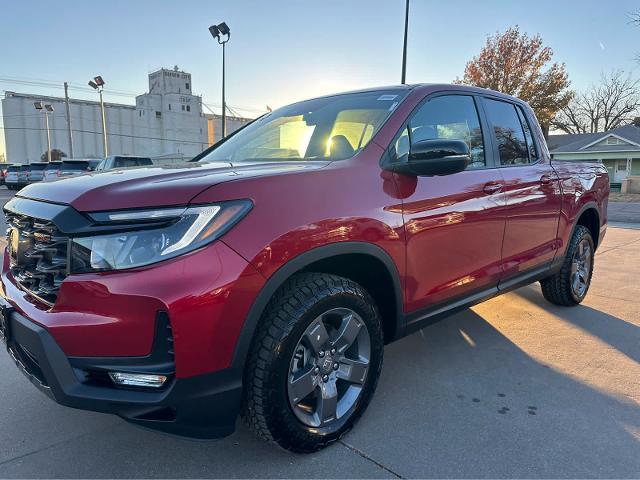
514	387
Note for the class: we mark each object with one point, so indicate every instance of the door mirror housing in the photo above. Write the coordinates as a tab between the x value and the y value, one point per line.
435	157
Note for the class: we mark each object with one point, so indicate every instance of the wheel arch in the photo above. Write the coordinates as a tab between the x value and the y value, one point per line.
589	217
333	259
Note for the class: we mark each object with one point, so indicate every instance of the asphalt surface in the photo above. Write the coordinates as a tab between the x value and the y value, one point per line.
624	212
514	387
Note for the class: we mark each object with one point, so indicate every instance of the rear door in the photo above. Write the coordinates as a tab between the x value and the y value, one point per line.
531	187
453	224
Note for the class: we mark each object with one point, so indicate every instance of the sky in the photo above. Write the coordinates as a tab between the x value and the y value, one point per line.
286	50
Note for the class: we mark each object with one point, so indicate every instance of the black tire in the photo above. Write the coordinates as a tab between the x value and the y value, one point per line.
559	288
286	323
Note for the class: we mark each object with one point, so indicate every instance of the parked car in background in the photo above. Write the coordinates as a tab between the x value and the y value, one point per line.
70	168
52	170
123	161
36	171
3	172
23	175
267	276
11	179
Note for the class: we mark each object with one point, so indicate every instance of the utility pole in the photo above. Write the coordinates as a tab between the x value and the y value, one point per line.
98	84
104	127
404	49
66	101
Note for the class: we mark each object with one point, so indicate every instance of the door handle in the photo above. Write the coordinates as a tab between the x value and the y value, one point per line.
545	179
492	187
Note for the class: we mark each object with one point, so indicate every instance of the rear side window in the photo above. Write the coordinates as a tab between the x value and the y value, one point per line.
13	168
37	167
531	146
74	166
52	166
509	133
123	162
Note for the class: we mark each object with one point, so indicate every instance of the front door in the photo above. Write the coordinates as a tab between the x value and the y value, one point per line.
621	171
454	224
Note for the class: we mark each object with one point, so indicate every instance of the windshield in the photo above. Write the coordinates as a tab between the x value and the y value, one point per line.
329	128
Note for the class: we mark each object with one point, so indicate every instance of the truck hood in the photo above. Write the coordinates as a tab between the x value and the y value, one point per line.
163	185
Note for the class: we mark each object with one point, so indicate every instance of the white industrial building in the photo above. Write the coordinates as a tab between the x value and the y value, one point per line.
166	124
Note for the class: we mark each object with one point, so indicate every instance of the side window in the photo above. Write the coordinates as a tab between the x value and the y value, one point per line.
452	117
531	146
512	146
401	146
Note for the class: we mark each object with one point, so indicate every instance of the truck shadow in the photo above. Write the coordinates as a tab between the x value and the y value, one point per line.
618	333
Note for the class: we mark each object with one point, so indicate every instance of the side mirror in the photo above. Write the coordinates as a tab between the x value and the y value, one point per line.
435	157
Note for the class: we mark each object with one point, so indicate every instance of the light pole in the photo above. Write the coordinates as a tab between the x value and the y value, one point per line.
46	108
98	84
217	32
404	48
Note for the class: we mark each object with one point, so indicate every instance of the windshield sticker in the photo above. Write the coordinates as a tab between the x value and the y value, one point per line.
387	97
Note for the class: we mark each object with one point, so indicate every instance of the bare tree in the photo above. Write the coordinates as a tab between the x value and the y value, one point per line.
56	155
614	102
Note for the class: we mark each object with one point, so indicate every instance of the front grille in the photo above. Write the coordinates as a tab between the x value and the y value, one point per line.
38	255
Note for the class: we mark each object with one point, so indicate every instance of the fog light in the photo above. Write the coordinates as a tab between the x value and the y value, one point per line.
137	379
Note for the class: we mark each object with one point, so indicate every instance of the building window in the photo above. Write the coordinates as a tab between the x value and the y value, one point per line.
169	106
158	114
183	108
186	85
612	141
188	108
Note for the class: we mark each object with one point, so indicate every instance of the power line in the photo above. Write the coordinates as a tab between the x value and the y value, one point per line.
121	93
109	134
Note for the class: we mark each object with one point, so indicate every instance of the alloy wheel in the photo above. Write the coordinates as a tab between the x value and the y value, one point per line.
329	367
581	268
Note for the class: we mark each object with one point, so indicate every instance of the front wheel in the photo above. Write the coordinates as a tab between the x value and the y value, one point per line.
314	363
569	286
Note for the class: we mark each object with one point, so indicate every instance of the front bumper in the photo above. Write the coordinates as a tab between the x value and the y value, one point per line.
203	406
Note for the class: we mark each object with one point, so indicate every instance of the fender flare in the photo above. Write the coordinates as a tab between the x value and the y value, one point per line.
298	263
591	205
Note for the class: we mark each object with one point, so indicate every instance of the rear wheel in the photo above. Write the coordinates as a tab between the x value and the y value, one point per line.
569	286
314	363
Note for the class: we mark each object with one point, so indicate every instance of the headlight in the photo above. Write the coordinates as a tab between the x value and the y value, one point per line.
141	241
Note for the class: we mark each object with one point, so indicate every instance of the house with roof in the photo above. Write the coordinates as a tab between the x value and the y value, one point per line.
617	149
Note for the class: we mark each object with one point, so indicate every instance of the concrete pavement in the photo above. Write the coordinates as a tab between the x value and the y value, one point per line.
514	387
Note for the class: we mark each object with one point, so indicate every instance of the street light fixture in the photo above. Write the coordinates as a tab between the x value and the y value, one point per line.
46	109
218	32
98	84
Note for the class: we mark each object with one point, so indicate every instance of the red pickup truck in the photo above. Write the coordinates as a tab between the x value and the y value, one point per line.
265	277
